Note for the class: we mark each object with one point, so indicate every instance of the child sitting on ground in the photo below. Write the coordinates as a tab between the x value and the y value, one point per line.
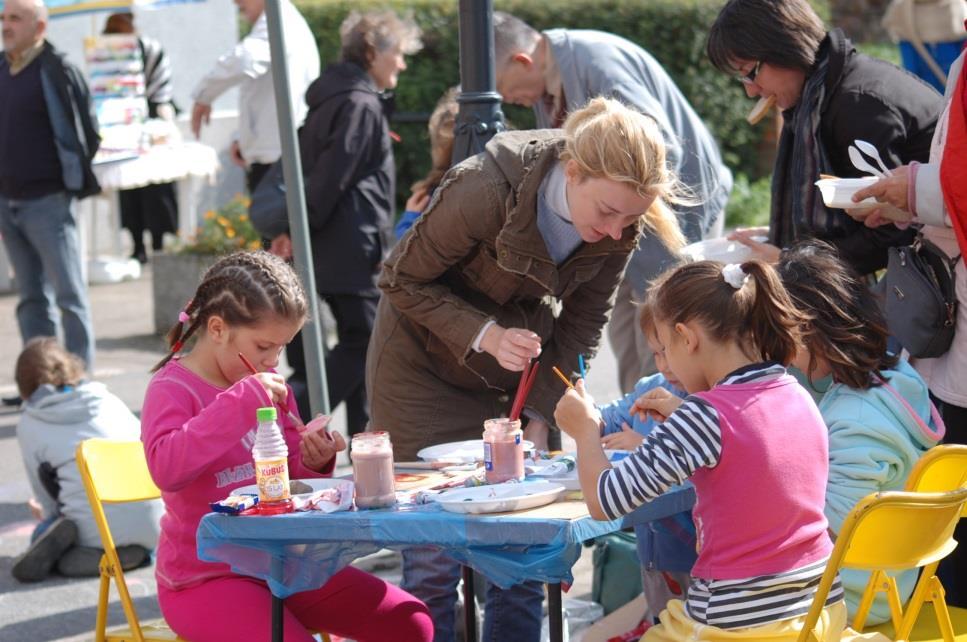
666	547
199	425
61	410
727	332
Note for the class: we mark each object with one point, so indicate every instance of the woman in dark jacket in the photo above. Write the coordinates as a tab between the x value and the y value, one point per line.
829	95
347	159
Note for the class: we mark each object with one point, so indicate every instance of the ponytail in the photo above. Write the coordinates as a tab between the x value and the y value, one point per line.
774	321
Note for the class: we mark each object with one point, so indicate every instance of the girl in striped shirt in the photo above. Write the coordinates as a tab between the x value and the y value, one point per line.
748	437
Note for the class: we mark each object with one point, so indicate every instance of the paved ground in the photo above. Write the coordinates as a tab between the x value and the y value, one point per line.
64	610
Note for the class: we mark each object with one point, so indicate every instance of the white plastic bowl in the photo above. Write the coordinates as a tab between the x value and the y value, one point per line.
720	249
838	192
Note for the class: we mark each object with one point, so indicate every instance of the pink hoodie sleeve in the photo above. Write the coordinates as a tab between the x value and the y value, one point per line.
182	438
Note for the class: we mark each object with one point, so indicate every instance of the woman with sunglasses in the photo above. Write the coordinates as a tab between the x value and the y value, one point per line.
829	95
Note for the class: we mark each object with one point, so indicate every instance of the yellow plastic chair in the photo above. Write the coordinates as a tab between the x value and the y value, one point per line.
942	468
893	532
116	472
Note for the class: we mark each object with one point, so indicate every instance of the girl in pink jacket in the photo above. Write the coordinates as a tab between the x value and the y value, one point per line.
198	428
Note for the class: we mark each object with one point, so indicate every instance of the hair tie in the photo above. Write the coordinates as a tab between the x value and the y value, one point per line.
176	348
183	317
734	275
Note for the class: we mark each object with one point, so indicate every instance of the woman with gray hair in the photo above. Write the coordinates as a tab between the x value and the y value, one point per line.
829	95
347	158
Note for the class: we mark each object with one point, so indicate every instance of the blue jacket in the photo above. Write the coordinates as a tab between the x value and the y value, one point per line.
874	443
667	544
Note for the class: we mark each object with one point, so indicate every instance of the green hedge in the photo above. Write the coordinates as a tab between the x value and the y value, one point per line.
673	31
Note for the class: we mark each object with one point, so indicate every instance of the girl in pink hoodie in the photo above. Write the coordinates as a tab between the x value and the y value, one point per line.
198	428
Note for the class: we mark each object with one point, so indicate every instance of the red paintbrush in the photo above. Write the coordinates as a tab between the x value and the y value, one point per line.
527	378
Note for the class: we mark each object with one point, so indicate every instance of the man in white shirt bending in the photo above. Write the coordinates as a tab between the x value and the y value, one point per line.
249	66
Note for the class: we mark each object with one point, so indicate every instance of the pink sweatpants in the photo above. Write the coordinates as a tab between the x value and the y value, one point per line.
351	604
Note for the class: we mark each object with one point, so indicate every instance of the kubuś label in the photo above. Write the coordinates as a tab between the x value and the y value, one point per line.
272	477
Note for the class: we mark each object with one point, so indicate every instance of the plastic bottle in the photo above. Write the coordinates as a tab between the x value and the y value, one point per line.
271	457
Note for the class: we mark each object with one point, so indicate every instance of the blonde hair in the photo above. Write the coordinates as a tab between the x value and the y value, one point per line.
44	360
609	140
363	35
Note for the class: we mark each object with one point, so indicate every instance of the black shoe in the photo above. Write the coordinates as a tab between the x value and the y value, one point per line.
141	257
36	563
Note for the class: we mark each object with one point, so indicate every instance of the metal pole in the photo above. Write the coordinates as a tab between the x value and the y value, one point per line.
479	117
295	200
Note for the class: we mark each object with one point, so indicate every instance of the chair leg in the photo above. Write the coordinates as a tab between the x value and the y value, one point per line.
920	595
102	598
938	597
874	586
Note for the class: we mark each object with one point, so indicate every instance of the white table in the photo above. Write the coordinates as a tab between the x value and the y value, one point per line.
159	164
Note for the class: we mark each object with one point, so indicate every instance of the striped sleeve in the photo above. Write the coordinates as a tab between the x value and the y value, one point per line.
688	440
157	72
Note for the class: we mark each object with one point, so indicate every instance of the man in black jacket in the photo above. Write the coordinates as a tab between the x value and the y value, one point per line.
830	95
48	137
347	159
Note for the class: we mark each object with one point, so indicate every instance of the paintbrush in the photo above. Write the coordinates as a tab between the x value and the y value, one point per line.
283	406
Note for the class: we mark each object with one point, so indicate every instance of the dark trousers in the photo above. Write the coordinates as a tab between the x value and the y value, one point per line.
953	568
254	174
345	362
153	208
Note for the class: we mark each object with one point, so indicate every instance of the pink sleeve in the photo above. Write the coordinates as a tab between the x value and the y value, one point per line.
182	438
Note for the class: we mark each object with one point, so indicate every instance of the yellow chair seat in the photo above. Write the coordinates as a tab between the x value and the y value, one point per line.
926	629
152	630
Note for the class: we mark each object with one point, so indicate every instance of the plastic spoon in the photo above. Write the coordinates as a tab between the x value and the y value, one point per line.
860	163
870	150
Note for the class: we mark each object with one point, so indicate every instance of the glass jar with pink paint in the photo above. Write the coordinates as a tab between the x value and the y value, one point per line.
372	455
503	450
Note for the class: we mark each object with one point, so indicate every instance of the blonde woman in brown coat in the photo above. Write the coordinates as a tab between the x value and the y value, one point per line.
517	257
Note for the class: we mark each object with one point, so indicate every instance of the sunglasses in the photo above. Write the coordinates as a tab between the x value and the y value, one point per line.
750	77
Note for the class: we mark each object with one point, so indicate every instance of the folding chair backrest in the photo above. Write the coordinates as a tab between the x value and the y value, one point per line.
942	468
890	531
118	470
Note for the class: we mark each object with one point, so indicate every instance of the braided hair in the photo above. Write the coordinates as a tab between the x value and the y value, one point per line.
242	288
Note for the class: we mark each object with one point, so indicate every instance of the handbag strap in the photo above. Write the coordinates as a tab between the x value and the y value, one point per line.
934	413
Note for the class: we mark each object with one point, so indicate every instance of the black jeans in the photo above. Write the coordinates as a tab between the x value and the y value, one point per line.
345	362
953	568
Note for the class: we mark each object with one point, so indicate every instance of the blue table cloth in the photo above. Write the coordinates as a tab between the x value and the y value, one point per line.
301	551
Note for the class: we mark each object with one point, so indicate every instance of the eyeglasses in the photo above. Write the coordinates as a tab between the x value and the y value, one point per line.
750	77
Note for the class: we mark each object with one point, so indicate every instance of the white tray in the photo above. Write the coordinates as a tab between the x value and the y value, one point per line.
838	192
500	498
317	485
463	452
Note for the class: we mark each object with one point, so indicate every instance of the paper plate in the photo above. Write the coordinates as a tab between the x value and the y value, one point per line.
500	498
460	451
838	192
317	484
720	249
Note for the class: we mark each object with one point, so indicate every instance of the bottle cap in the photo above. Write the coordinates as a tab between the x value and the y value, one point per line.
266	414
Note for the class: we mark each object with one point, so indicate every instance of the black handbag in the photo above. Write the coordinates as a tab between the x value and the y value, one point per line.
267	210
920	302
